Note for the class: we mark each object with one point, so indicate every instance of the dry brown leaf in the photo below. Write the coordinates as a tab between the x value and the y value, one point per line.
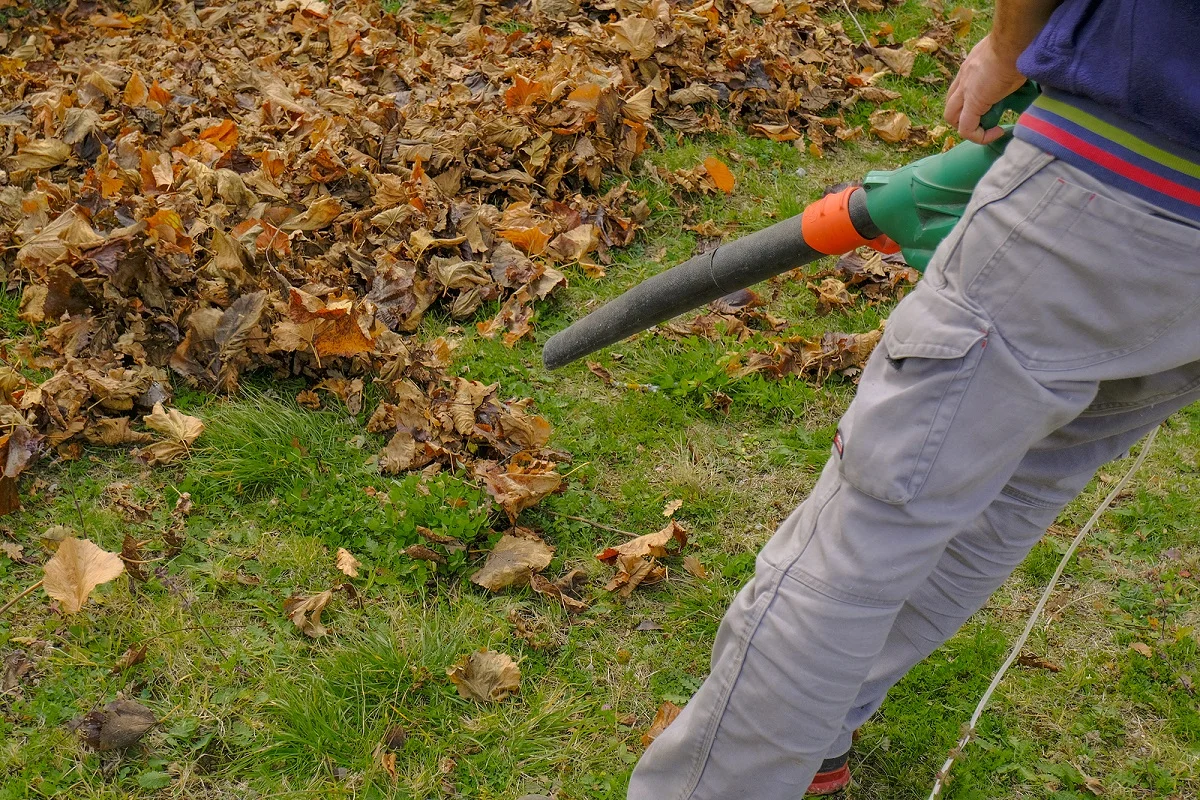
831	295
670	508
40	154
305	612
388	762
77	568
422	553
665	715
71	230
131	658
563	590
15	667
131	552
1142	648
449	542
961	18
513	560
778	133
651	544
180	431
485	676
347	563
319	215
113	431
635	35
632	572
694	567
1034	661
890	125
899	60
520	485
600	372
400	453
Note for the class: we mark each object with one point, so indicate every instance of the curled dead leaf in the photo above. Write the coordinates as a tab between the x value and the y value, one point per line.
651	544
520	485
305	612
665	715
40	154
485	676
131	658
513	560
890	125
422	553
76	569
564	590
831	294
347	563
179	430
634	571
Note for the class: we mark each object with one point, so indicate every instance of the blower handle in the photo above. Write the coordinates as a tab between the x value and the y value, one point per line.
1018	101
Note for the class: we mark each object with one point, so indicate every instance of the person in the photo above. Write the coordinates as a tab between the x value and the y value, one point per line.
1058	324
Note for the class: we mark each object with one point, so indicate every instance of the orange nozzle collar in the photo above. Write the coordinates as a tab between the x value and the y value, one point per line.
827	228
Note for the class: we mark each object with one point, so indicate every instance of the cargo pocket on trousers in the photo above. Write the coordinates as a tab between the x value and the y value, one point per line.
909	395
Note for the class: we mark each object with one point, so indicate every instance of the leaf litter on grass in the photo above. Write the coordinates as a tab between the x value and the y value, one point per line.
292	186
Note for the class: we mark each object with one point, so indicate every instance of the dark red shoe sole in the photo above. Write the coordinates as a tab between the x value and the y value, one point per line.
830	782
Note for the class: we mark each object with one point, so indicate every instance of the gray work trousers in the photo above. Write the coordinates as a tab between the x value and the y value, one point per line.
1059	322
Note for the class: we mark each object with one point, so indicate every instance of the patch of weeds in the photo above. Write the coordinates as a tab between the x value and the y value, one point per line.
306	472
264	445
795	445
10	307
1039	566
343	706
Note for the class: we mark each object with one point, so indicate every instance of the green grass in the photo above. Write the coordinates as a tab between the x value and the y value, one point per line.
250	707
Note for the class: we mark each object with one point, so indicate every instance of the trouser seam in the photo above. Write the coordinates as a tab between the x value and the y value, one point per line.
1104	409
1026	498
807	579
710	735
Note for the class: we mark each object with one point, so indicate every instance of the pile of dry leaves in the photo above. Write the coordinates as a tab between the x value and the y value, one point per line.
207	188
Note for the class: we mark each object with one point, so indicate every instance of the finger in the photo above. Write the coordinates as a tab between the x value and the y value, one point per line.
968	121
992	134
954	105
968	126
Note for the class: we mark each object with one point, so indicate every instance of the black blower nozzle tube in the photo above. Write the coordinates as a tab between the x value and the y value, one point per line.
697	281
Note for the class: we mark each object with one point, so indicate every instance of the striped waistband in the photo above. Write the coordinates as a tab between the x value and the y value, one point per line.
1118	151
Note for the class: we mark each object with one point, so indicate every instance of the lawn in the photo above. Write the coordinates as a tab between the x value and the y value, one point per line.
247	706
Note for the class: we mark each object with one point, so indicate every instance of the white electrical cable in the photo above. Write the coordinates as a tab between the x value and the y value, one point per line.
943	777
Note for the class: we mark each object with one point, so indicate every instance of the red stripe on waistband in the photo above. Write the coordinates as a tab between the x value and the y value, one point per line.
1111	162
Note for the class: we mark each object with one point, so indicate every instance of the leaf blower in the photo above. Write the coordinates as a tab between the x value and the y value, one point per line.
908	210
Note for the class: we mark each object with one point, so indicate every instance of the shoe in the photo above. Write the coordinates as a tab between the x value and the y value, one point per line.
832	777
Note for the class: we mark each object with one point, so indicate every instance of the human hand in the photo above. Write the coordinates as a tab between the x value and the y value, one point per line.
986	77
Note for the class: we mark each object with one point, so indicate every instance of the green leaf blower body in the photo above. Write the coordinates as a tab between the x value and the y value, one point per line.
910	209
